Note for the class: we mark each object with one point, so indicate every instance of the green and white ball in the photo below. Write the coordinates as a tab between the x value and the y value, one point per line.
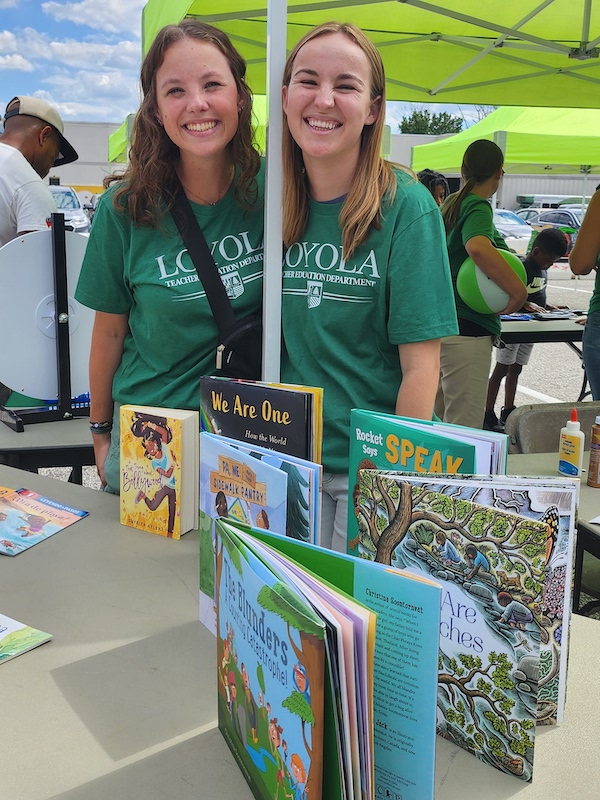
480	292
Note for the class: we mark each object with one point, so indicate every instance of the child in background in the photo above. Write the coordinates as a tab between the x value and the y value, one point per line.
550	245
436	183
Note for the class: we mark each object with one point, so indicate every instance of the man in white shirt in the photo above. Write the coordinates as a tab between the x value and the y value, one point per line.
32	143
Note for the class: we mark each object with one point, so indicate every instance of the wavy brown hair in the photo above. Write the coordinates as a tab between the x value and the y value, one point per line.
482	159
150	181
373	180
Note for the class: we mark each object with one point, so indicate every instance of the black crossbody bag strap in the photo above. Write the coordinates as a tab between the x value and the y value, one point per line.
194	240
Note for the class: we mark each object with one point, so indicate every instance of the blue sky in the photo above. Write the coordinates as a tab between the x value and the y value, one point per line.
84	58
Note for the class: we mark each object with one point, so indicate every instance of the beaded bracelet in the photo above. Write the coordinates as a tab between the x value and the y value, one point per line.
101	427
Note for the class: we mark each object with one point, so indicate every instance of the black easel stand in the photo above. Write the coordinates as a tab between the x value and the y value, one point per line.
63	409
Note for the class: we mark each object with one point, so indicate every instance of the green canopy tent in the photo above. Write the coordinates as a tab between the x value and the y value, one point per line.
533	140
528	52
532	52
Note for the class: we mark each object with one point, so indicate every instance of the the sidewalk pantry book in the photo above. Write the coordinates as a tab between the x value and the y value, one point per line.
502	548
27	518
326	669
256	486
17	638
282	417
159	469
386	441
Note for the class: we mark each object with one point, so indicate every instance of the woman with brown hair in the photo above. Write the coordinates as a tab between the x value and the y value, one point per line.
154	333
465	359
366	286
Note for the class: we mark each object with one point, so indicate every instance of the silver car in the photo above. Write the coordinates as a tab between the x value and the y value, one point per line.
68	202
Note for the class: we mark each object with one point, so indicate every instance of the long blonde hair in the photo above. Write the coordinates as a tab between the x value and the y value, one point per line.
151	177
482	159
373	180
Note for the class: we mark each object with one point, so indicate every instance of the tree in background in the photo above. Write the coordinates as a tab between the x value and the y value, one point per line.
423	121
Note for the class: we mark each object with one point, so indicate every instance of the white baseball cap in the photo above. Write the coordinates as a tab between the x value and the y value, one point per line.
34	107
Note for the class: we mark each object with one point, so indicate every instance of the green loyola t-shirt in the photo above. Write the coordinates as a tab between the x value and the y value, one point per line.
343	320
148	274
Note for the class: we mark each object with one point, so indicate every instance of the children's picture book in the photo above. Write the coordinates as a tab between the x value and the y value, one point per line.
303	491
236	485
270	415
492	563
17	638
403	444
27	518
554	502
394	695
159	469
270	675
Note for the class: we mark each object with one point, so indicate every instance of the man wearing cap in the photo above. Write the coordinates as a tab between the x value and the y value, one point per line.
32	143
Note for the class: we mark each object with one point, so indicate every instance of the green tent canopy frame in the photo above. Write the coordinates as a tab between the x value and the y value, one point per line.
518	52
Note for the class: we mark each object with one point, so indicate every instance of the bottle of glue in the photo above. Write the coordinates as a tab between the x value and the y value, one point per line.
570	448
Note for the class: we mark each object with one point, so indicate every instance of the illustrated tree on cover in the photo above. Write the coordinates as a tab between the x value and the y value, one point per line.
309	653
389	510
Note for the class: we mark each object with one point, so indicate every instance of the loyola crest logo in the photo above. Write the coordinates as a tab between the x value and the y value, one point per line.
234	285
314	291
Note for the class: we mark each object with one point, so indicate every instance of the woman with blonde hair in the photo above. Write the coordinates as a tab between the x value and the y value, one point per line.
465	359
154	333
366	287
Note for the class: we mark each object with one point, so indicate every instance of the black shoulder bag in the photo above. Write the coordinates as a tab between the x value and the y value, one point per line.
239	343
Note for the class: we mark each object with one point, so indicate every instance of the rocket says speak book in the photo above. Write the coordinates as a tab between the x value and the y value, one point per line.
159	470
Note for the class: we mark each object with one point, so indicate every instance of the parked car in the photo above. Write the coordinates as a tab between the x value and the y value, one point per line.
68	202
568	220
516	232
527	214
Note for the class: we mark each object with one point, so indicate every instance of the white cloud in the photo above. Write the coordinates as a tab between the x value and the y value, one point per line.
8	42
113	16
16	62
9	3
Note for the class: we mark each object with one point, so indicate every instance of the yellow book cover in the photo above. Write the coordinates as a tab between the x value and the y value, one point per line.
159	457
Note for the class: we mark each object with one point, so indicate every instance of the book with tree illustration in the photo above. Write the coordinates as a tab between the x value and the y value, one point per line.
27	518
277	416
492	563
390	705
552	501
403	444
17	638
237	485
159	469
270	675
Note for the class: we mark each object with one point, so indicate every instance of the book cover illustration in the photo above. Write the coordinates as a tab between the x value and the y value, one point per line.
17	638
27	518
489	636
383	442
303	488
256	413
553	502
151	472
234	484
270	674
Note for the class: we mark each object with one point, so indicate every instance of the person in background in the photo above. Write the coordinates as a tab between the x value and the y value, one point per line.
436	183
366	286
154	334
467	214
550	245
32	143
582	260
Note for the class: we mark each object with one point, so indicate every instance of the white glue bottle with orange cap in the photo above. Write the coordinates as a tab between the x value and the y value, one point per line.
570	448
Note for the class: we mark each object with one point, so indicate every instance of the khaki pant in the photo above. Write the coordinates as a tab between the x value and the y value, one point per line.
464	373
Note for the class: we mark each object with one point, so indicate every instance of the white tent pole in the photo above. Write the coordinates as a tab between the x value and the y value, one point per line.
276	55
500	140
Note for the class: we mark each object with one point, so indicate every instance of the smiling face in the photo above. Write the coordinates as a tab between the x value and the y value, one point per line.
197	99
328	100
